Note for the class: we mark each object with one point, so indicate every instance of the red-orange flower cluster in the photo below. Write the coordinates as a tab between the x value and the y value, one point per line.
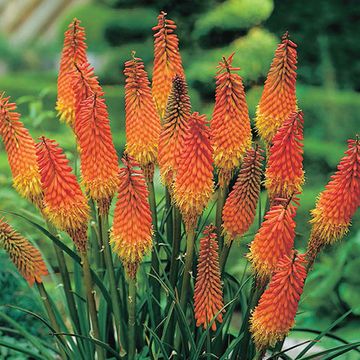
275	314
175	125
84	84
194	178
274	239
64	203
20	148
278	99
25	256
240	208
230	124
74	52
99	160
167	61
142	121
284	173
338	203
132	228
208	296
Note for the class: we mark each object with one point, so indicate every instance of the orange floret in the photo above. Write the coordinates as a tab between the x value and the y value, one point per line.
208	295
284	173
131	234
240	207
230	124
20	149
84	84
74	52
64	203
175	125
194	178
275	314
142	121
167	61
99	160
338	203
274	239
25	256
278	99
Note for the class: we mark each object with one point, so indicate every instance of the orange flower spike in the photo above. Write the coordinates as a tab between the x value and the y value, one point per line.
240	207
99	160
23	254
230	124
84	84
274	316
208	295
64	203
175	125
274	239
338	203
167	61
20	148
132	231
284	173
74	52
194	178
278	99
142	121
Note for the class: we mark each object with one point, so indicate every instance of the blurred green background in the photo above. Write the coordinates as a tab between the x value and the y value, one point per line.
326	32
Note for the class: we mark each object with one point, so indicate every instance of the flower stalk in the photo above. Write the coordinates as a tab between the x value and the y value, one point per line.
90	295
104	234
132	318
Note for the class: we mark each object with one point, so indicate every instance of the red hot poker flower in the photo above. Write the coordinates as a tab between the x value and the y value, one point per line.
208	296
274	239
275	314
132	228
175	125
230	124
74	52
20	148
142	121
99	160
284	173
84	84
194	178
167	61
338	203
240	208
64	203
278	99
25	256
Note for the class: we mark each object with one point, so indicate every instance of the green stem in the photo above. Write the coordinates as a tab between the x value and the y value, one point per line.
224	255
169	221
190	245
104	234
65	278
256	291
50	312
97	245
174	268
218	220
91	302
260	355
155	264
174	265
132	318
